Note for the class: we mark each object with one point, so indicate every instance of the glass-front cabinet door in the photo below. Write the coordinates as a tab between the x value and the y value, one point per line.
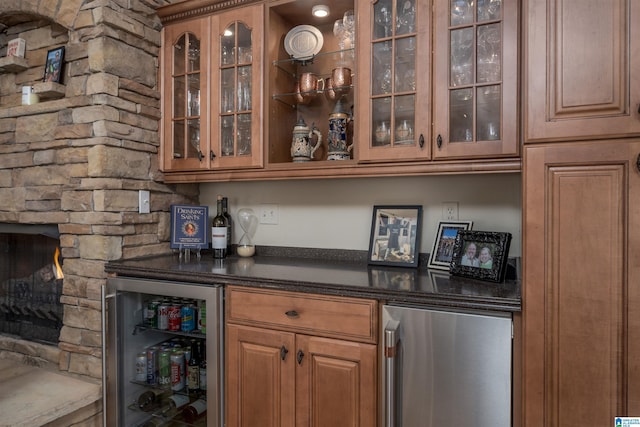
394	82
185	58
395	86
475	91
236	87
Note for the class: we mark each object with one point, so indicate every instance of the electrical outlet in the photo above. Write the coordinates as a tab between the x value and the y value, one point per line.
450	210
268	214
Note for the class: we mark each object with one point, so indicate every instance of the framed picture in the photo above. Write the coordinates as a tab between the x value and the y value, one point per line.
481	255
189	229
442	251
395	235
53	65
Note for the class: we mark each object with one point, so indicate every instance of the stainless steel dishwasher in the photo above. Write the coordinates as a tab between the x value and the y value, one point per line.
446	368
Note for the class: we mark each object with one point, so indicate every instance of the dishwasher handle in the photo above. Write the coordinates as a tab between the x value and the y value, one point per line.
391	342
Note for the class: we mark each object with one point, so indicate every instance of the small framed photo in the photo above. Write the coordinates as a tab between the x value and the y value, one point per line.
481	255
442	251
395	235
53	65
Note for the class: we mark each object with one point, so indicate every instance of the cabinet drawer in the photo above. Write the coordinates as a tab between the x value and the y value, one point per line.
318	315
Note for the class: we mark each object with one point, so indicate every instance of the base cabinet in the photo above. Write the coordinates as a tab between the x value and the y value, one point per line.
581	323
288	365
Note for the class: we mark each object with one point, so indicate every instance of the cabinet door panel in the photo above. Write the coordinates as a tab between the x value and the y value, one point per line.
581	70
260	384
335	383
580	296
475	79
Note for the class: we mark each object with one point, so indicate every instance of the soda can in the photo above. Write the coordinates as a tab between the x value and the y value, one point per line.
175	317
152	365
152	314
177	370
164	368
141	367
163	316
202	316
188	321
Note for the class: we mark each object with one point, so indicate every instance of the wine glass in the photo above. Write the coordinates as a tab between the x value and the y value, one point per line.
383	18
338	31
349	23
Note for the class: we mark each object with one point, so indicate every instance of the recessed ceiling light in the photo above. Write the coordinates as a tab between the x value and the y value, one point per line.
320	10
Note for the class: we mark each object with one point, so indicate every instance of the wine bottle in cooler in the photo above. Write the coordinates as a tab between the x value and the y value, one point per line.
219	232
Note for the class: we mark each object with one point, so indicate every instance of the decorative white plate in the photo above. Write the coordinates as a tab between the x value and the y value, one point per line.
303	41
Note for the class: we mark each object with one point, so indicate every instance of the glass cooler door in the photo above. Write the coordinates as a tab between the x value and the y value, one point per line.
162	353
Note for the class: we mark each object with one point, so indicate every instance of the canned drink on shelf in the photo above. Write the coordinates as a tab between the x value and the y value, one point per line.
177	370
164	368
152	314
163	316
152	365
175	317
188	322
202	316
141	366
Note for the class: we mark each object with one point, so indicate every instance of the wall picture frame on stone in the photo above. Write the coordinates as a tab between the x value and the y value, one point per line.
53	65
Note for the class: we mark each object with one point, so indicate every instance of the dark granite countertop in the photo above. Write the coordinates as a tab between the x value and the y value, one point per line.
350	277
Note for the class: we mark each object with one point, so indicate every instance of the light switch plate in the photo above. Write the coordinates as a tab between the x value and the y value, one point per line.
144	205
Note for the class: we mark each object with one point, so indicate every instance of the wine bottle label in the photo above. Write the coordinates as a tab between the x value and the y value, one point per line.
179	399
219	237
200	406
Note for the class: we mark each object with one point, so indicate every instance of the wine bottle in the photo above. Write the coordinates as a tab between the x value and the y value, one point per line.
149	400
193	369
203	366
219	232
225	212
194	411
173	404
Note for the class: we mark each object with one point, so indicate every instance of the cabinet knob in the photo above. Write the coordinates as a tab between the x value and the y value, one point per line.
212	155
439	141
299	356
421	141
200	155
638	163
283	352
292	313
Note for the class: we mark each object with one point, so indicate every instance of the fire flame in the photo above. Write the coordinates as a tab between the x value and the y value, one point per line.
57	269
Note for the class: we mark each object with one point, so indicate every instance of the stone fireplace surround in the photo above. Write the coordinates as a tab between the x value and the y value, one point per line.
79	161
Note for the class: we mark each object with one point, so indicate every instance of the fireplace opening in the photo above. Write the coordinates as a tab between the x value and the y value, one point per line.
30	283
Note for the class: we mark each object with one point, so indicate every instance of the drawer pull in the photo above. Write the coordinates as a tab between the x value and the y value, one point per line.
291	313
299	356
283	352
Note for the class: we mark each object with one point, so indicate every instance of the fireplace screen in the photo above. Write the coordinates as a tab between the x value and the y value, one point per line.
30	287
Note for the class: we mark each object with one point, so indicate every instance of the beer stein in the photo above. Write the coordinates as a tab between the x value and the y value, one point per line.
302	148
338	148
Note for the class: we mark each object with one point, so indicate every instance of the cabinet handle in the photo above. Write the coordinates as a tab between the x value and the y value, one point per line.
291	313
212	155
283	352
638	163
421	141
200	155
299	356
439	141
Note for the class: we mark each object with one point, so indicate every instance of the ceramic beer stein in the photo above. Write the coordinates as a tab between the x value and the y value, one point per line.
302	148
338	148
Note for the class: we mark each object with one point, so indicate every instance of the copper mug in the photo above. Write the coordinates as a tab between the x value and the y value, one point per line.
341	79
329	91
300	97
310	82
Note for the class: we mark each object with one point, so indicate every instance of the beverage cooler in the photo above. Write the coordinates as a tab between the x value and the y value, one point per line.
162	353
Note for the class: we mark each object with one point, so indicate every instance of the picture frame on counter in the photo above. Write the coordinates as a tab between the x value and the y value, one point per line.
189	227
481	255
395	235
444	242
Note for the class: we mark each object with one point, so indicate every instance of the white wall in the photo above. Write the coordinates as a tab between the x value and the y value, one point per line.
336	213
